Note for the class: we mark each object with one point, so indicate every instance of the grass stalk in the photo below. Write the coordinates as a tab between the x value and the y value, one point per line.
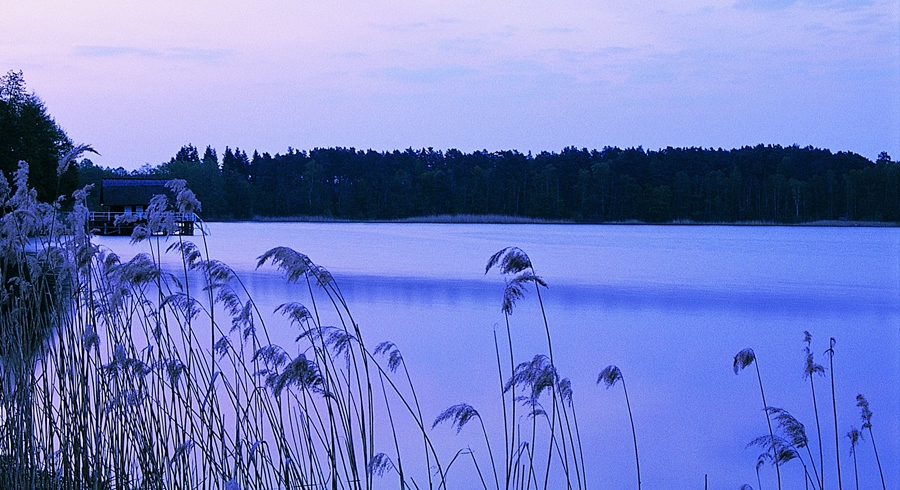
741	360
837	439
854	436
610	376
810	370
866	416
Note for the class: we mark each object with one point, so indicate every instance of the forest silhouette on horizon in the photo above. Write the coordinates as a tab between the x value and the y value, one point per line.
758	184
764	183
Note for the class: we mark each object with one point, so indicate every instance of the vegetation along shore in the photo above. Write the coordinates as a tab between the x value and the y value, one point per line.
761	184
758	184
123	374
519	220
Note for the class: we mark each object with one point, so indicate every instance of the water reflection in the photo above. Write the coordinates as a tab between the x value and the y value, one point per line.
665	297
668	305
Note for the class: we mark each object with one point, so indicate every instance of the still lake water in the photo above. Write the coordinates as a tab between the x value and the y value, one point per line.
669	305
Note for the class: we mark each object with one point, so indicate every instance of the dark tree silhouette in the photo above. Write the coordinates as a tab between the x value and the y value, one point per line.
764	183
27	132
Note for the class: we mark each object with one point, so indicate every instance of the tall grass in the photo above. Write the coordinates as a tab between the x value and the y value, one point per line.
866	415
743	359
540	424
610	376
811	369
837	438
132	374
791	439
125	374
854	436
32	311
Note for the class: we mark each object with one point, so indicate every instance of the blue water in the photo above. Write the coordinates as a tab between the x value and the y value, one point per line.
670	305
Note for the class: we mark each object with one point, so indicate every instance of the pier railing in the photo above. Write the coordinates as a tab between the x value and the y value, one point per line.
120	223
111	216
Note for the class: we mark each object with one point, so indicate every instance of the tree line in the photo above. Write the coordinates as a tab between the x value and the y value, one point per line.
764	183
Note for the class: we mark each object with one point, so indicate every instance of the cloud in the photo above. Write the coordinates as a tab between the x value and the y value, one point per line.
764	4
113	51
560	30
463	46
352	55
403	27
769	5
177	53
185	53
426	75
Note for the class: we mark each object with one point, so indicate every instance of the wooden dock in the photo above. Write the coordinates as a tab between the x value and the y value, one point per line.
122	224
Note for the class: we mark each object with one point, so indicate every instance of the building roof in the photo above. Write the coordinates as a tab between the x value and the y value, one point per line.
131	192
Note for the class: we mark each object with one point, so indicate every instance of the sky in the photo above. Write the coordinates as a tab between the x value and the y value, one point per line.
138	80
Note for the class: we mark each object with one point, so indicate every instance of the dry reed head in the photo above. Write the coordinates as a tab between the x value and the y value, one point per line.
743	359
609	376
458	415
793	429
865	412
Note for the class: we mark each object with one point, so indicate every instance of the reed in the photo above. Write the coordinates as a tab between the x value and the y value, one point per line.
811	369
866	415
854	436
787	444
534	399
837	439
743	359
610	376
125	374
791	439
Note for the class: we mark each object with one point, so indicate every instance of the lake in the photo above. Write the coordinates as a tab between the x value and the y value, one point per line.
669	305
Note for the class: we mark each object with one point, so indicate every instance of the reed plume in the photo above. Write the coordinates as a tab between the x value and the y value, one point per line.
854	436
610	376
866	416
837	439
742	360
811	369
532	394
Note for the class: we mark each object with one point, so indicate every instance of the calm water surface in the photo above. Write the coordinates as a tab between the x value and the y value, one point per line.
670	305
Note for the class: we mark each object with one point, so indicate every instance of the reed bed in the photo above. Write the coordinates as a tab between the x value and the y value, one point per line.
787	439
124	374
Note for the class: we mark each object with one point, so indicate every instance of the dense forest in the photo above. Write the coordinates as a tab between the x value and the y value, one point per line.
765	183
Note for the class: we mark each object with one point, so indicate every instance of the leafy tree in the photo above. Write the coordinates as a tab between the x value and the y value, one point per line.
28	133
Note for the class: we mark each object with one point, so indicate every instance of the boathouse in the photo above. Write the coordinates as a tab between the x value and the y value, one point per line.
124	203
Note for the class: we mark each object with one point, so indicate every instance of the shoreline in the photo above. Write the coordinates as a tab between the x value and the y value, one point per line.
501	219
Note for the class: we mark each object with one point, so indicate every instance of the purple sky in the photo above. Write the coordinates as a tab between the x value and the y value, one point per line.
137	80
